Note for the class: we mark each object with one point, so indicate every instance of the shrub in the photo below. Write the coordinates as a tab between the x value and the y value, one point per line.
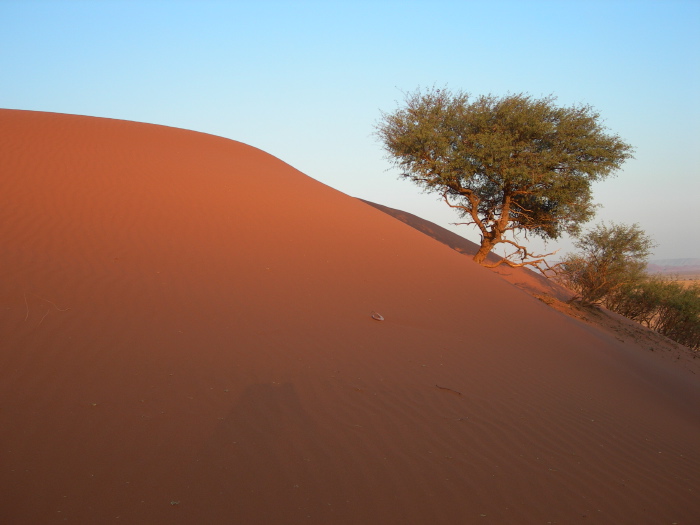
664	306
610	258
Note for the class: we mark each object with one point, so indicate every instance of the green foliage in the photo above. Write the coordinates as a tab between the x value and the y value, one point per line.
508	164
679	316
609	270
665	306
610	258
638	300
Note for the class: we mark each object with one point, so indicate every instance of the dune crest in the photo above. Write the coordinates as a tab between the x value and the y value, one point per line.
187	337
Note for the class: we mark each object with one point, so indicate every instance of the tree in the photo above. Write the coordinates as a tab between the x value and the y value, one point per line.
507	165
610	257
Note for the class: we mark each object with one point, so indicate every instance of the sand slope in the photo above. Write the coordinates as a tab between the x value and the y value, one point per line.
529	280
186	338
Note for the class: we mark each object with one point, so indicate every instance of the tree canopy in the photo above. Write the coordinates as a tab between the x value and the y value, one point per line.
507	164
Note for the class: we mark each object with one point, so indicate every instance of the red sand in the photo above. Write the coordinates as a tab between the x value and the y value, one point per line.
186	338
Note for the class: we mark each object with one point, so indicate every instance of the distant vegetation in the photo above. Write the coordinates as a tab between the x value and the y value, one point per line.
508	165
609	269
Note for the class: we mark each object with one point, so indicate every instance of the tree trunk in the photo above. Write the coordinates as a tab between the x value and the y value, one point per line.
493	236
486	247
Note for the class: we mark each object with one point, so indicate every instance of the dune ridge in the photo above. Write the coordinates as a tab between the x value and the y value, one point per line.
187	338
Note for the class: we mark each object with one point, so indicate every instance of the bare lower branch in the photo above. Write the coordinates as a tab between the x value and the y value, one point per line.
522	249
537	261
541	265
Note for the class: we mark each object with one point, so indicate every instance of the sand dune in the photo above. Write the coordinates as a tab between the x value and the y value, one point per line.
186	337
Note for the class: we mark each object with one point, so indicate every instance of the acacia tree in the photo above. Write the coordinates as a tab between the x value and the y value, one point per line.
507	165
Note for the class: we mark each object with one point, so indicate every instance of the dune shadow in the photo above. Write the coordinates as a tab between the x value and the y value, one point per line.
254	456
263	412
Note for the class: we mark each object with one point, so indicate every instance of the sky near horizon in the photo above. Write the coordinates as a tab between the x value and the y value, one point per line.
306	81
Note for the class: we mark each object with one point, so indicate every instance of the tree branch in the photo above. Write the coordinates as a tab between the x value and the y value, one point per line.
537	261
472	209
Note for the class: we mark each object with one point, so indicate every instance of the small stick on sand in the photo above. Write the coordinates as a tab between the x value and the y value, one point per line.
445	388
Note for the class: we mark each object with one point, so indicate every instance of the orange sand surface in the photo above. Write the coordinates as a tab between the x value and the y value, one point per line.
186	338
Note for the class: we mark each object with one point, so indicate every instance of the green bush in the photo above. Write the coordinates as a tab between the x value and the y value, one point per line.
679	315
664	306
610	258
609	269
639	300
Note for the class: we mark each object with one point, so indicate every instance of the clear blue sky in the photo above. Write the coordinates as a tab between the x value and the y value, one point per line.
305	81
